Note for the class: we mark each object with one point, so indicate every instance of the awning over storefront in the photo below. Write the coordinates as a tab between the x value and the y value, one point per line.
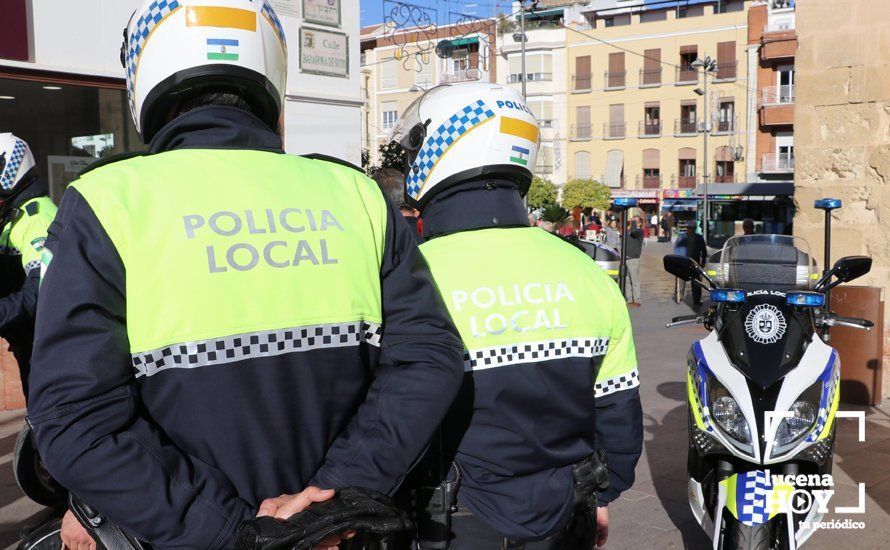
781	188
614	167
458	42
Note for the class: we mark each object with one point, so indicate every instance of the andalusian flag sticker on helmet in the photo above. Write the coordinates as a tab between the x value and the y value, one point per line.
519	155
222	49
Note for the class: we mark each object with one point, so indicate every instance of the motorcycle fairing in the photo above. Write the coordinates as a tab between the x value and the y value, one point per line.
710	354
746	496
820	364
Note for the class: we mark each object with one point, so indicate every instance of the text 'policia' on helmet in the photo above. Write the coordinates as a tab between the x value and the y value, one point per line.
15	161
175	48
457	132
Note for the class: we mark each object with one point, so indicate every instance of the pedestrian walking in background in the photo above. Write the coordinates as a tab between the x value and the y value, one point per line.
698	251
611	232
667	226
748	226
634	249
653	224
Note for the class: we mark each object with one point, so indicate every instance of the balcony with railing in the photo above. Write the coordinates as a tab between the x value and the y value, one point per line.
621	180
650	78
686	75
531	77
580	132
614	130
726	71
649	129
649	182
683	182
724	126
614	80
775	163
685	127
461	75
777	95
724	178
581	83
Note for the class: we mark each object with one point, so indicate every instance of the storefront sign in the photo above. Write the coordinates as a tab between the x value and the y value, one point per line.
324	53
322	12
62	171
286	8
678	194
635	194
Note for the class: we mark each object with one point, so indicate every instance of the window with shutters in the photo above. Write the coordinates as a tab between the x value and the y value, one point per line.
726	61
616	73
616	127
686	73
651	124
582	165
581	129
389	115
581	80
650	74
688	123
726	116
543	111
538	67
388	73
425	69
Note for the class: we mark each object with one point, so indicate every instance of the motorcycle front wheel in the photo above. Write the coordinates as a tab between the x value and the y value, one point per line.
772	535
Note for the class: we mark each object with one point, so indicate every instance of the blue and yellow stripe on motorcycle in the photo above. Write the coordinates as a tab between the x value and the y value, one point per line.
694	403
751	497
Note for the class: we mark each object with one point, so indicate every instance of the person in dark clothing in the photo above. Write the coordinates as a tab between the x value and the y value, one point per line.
698	251
667	225
634	250
392	184
221	323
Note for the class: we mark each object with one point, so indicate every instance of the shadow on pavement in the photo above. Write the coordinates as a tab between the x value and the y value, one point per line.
668	465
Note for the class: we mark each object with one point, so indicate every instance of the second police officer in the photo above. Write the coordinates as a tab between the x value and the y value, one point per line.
551	373
221	323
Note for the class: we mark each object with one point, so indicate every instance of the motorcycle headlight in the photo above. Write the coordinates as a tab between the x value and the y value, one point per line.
728	415
796	426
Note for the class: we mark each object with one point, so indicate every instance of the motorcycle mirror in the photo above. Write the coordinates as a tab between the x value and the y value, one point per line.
845	270
685	268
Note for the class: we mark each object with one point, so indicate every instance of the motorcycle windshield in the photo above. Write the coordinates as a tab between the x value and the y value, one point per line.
767	262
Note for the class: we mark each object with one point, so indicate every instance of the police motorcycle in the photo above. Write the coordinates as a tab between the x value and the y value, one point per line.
762	390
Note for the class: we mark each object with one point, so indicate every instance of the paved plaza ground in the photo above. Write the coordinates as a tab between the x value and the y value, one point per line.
655	513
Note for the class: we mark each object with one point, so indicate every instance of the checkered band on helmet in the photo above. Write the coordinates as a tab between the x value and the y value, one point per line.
137	34
270	14
13	163
438	143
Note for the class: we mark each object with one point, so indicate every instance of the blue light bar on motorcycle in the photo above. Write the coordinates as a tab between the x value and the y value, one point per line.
806	299
728	295
828	204
624	202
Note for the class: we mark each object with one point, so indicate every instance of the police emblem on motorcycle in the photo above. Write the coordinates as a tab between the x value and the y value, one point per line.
765	324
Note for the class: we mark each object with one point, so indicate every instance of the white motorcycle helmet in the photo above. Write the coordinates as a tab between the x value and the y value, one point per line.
175	48
15	161
458	132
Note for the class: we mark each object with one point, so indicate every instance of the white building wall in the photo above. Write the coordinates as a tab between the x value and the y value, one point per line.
322	114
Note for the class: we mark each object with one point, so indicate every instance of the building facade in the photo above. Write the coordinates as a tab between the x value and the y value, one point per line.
636	104
400	64
62	86
545	82
842	141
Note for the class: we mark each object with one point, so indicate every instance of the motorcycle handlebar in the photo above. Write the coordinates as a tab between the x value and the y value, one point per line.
851	322
685	320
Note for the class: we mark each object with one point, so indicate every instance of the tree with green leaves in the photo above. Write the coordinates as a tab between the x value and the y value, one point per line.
391	156
541	193
586	194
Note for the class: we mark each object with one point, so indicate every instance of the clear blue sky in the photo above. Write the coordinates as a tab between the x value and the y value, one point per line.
444	11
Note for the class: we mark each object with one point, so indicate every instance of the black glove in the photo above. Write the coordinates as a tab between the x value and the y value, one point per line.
352	509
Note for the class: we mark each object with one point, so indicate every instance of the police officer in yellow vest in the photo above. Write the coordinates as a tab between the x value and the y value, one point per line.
25	215
551	373
222	323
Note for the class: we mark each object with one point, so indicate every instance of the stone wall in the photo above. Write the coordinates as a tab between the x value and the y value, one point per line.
842	131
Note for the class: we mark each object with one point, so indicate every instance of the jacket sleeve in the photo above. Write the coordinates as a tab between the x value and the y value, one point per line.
418	375
84	407
619	414
30	235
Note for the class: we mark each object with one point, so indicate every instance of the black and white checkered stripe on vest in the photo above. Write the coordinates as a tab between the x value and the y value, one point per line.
228	349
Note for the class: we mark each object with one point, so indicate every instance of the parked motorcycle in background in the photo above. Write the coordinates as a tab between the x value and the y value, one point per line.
763	389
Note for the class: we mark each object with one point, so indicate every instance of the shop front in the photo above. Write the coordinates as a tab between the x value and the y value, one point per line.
69	122
769	205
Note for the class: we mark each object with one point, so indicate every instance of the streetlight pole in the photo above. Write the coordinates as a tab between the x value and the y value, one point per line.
522	45
707	65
